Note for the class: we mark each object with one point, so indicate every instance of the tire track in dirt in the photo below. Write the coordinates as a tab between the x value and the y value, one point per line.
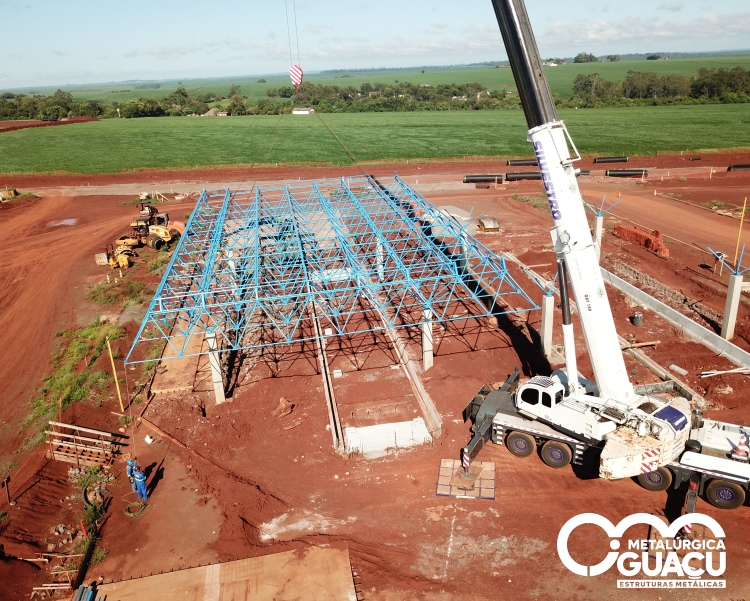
40	264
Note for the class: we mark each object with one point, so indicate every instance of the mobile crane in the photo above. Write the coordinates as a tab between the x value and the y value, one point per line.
659	441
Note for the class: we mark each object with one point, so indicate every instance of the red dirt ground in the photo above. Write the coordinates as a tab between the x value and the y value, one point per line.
15	125
243	469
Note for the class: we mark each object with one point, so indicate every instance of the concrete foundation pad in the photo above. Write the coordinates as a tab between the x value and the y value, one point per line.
386	437
449	477
316	574
178	375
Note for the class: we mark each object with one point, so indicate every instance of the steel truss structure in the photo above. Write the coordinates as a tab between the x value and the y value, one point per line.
258	267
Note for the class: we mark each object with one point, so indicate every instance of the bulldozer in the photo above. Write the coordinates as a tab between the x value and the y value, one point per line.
115	257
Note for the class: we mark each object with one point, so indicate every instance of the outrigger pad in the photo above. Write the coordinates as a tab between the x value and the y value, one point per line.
479	483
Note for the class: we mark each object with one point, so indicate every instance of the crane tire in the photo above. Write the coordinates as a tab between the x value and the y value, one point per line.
658	480
556	454
725	495
520	444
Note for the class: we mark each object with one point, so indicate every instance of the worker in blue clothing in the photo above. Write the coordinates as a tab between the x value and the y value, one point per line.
140	484
132	465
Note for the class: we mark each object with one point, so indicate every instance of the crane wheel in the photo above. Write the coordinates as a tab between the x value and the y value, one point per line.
520	444
725	495
656	481
556	454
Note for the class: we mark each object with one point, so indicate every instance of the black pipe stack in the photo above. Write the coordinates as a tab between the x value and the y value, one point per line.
611	159
626	173
484	178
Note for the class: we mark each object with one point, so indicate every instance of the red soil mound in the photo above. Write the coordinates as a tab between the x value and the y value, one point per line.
14	125
650	240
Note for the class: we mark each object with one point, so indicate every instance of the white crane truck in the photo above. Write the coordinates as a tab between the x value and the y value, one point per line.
633	435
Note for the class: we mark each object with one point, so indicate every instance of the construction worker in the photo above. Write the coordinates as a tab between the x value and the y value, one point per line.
140	484
131	467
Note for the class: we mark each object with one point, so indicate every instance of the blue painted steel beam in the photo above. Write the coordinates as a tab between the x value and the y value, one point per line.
250	263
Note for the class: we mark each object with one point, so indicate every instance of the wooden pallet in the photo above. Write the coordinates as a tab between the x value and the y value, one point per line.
82	446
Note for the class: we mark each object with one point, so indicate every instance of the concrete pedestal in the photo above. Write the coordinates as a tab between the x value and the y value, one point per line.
598	229
730	309
427	341
213	359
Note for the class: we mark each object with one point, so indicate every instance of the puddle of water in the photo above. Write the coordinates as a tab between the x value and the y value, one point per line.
63	222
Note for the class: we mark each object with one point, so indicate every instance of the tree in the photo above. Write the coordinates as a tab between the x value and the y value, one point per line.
237	105
583	57
236	90
52	113
653	57
61	98
613	58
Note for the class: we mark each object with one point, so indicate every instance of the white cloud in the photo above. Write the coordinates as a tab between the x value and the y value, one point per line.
170	51
467	42
674	7
317	29
638	30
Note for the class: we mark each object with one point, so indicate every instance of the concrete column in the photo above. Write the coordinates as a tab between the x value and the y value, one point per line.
427	340
379	256
548	313
598	228
730	309
213	359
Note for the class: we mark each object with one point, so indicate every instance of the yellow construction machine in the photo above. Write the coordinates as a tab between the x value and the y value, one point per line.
150	229
115	257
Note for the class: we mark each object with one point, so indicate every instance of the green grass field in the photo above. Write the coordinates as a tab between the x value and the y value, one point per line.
560	79
114	145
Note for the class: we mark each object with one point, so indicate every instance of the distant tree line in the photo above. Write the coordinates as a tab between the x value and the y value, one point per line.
47	108
589	91
706	85
381	97
61	105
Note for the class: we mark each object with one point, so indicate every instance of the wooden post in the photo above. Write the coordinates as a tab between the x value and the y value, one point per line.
114	373
6	483
75	450
737	248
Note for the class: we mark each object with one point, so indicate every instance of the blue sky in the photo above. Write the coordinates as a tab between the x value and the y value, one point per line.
56	43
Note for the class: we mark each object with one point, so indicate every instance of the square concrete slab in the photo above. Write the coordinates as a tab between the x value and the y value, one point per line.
483	473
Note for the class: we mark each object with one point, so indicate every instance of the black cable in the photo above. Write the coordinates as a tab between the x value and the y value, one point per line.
296	30
288	33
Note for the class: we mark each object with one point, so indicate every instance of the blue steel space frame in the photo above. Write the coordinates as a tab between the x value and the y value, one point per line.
275	258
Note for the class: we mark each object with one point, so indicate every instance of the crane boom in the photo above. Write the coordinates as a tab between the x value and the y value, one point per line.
571	235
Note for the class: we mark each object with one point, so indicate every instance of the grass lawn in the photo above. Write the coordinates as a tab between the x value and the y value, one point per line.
560	79
118	144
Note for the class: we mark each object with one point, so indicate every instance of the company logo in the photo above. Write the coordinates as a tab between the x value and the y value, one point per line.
670	557
548	187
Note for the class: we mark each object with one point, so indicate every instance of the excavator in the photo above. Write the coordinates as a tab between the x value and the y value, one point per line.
564	415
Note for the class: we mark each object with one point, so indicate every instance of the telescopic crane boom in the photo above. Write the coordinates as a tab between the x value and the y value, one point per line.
639	433
571	234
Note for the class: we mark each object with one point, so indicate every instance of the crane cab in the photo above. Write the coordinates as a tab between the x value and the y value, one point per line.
545	399
539	396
